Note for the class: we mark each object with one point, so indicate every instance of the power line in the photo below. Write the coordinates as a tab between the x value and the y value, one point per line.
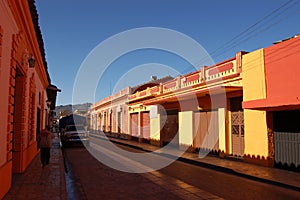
263	26
242	37
252	26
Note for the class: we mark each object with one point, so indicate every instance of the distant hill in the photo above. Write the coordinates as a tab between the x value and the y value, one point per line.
80	109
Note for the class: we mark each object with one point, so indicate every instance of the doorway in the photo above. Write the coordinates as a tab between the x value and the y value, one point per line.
38	122
169	131
18	122
237	126
206	130
287	139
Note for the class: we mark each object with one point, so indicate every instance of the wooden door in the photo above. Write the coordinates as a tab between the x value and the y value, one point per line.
169	131
145	125
134	124
206	130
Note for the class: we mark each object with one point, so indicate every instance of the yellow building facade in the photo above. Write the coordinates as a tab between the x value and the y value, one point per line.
254	87
237	107
192	110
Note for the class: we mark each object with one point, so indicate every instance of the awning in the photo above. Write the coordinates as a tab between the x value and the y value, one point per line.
272	104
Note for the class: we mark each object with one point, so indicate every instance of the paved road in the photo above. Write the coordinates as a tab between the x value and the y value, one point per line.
90	179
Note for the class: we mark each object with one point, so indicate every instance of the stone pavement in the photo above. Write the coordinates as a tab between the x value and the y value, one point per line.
41	183
50	182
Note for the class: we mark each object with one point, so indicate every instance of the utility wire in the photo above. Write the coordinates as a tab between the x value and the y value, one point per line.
239	38
227	44
263	26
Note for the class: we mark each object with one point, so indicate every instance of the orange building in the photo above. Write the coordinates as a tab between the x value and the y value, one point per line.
27	95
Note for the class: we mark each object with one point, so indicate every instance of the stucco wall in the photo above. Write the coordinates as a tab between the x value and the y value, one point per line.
256	137
253	76
255	126
222	129
282	72
282	84
185	123
18	84
117	103
155	127
9	28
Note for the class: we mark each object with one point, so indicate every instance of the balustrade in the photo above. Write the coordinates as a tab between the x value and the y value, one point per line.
216	73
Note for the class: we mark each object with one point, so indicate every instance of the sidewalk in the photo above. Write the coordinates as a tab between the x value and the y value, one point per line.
41	183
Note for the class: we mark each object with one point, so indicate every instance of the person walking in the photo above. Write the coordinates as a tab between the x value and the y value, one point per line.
45	142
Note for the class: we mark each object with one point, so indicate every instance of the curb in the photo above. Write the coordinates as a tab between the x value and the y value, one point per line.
63	193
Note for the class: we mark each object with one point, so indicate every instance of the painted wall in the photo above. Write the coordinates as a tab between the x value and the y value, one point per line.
282	72
30	147
254	84
185	123
222	129
20	86
8	28
155	127
270	82
116	103
254	87
256	137
282	84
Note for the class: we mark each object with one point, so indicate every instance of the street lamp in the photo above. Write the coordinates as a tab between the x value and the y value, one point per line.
48	102
31	61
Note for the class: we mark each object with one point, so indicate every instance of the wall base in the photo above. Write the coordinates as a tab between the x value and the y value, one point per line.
267	162
155	142
23	159
6	178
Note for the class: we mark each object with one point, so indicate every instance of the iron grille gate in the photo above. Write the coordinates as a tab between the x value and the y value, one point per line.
237	132
287	148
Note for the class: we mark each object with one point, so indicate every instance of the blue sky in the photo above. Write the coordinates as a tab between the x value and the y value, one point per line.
73	29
